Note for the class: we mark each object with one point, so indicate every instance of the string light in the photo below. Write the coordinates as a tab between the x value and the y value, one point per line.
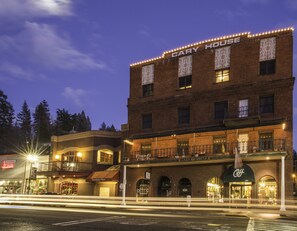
248	34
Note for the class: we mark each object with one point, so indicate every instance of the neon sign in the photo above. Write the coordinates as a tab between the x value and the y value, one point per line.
7	164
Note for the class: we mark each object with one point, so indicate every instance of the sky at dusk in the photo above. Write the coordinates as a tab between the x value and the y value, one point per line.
76	53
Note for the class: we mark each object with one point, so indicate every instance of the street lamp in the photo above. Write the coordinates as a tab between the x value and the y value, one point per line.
294	185
32	158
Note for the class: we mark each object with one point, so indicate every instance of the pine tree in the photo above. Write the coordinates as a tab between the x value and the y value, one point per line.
103	127
42	122
24	122
82	122
64	122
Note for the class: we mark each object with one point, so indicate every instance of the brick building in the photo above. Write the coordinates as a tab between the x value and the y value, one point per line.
194	109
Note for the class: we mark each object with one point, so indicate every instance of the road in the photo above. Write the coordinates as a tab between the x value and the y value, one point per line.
38	218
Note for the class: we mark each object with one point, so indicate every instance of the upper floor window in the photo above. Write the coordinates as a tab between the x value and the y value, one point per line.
147	121
71	157
267	56
243	108
147	80
105	156
184	115
185	72
266	104
266	141
219	144
222	64
182	148
221	110
146	149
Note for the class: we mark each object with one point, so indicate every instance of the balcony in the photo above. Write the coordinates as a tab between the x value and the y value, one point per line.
217	151
55	167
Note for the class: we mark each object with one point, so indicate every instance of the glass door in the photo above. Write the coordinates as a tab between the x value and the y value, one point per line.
241	191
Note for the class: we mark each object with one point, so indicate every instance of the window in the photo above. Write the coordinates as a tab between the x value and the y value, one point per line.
68	188
146	149
267	67
267	56
184	115
182	148
147	89
222	75
219	144
266	104
105	156
185	72
185	82
146	121
266	141
221	109
147	80
243	108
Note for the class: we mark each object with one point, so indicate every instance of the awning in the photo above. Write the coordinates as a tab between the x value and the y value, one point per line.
104	176
244	174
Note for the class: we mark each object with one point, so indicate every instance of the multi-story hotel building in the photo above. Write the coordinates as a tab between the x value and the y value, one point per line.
193	108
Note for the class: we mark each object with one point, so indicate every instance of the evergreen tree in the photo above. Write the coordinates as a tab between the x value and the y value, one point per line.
103	127
6	122
64	122
82	122
24	122
42	122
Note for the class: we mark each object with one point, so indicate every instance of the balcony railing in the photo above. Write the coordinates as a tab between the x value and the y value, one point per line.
208	150
60	166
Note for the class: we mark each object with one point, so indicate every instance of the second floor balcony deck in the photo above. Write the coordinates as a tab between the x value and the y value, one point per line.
215	151
64	167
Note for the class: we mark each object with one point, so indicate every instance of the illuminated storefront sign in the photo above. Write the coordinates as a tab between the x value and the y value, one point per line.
184	52
7	164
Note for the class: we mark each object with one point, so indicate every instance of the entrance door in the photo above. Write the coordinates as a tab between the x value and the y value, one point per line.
240	191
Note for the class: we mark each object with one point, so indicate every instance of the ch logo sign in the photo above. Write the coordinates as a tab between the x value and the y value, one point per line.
238	172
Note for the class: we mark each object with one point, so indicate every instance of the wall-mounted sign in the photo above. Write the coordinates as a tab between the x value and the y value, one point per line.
238	172
7	164
147	175
222	43
185	52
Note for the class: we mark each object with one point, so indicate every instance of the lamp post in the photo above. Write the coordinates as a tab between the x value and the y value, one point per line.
32	158
294	184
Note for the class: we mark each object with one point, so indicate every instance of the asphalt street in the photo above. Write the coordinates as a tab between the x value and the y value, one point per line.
29	218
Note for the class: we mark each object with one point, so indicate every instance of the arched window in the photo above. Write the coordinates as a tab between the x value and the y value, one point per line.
267	190
164	188
68	187
184	187
142	188
214	189
104	156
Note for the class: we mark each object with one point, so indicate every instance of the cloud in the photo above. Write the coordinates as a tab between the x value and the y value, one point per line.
42	45
17	72
74	95
35	8
144	31
231	15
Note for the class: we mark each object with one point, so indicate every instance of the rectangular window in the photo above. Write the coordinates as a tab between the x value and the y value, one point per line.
243	108
104	157
222	75
146	149
267	67
221	110
147	80
219	144
147	121
267	49
147	89
184	115
266	141
185	82
185	72
266	104
182	148
222	58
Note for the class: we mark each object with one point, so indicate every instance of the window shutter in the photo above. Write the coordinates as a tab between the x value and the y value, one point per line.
147	74
222	58
267	49
185	66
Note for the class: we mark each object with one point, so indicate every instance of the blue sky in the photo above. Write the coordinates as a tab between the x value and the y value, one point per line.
76	53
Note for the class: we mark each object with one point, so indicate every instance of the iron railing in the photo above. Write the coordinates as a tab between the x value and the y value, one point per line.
60	166
216	149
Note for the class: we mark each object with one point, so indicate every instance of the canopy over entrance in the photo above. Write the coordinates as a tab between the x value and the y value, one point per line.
244	174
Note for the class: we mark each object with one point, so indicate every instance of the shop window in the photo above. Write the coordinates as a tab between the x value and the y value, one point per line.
240	190
148	89
266	141
68	188
221	109
243	108
183	115
147	121
10	187
266	104
164	187
182	148
184	187
104	156
142	188
267	190
222	75
214	189
219	144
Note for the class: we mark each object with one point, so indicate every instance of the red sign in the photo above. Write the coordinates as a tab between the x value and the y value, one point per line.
7	164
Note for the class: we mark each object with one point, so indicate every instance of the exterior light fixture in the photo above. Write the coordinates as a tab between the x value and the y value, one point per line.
128	142
79	154
57	157
284	126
